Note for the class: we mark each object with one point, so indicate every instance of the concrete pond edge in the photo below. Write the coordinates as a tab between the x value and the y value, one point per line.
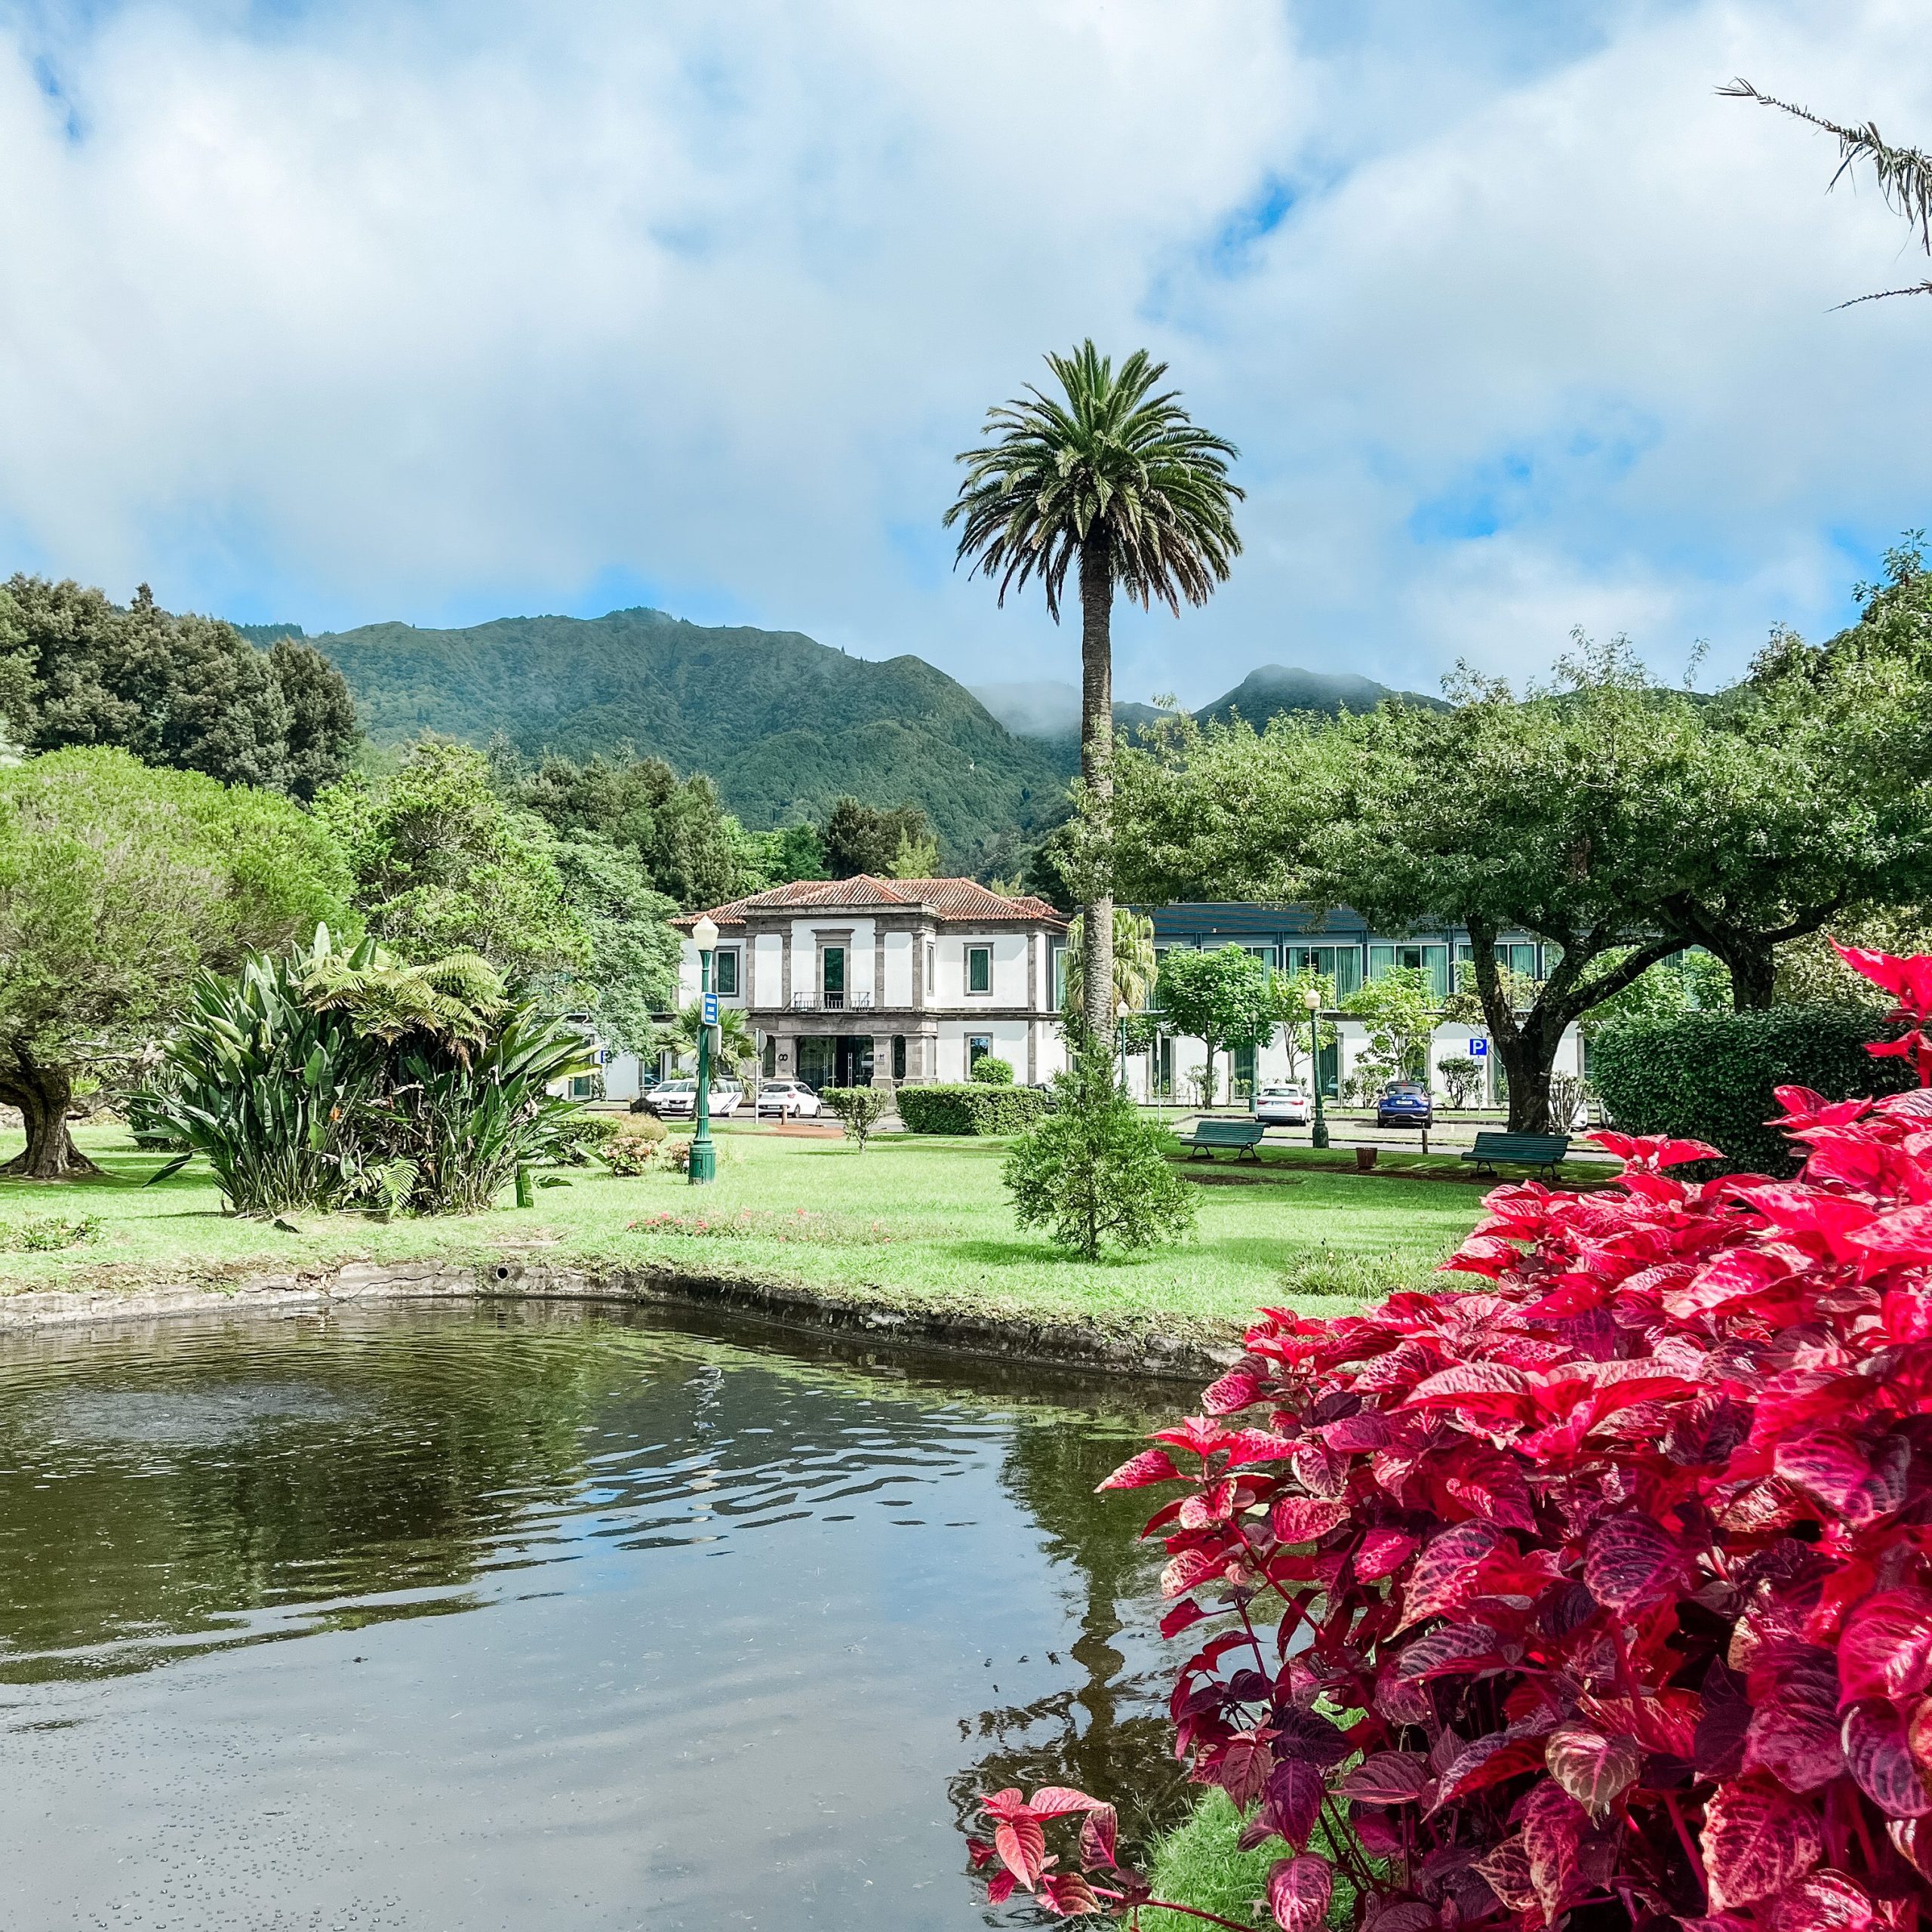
1062	1343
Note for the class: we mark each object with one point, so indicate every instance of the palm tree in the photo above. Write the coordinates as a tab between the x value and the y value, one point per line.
1904	174
738	1045
1134	965
1121	479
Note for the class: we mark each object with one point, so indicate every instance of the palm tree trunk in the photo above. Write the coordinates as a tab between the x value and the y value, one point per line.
1097	746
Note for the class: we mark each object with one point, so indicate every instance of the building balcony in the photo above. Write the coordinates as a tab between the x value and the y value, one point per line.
830	1002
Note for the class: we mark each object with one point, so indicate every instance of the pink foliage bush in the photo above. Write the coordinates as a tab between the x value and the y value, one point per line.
1604	1584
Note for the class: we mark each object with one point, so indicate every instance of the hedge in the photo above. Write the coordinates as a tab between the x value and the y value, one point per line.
1709	1075
970	1107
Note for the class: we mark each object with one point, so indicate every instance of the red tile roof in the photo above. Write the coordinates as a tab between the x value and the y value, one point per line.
963	899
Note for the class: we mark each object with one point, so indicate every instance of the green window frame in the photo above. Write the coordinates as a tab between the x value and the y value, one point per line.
725	972
979	970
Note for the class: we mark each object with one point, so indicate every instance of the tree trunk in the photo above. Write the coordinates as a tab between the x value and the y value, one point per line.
1753	964
42	1094
1097	746
1529	1062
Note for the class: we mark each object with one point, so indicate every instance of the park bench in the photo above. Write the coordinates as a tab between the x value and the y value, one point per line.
1527	1150
1243	1136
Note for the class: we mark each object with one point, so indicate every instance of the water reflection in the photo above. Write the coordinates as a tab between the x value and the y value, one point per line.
603	1620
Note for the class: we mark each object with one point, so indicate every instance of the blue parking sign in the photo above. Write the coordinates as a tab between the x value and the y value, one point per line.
711	1009
1479	1049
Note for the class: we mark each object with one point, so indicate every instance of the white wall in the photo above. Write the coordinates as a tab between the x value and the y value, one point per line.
897	990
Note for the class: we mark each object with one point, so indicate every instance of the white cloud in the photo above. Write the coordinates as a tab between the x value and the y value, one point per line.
393	312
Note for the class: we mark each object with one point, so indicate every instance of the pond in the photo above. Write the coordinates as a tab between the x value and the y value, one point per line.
520	1616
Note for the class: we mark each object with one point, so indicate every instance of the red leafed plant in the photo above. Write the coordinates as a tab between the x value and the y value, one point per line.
1604	1580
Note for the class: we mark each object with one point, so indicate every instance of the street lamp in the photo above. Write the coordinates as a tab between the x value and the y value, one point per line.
703	1168
1319	1137
1120	1017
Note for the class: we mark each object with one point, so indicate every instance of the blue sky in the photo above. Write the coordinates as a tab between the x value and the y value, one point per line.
342	312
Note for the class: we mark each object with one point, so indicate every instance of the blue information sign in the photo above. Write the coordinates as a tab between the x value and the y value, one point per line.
1479	1049
711	1009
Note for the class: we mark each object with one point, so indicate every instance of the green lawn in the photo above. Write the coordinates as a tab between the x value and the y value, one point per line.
910	1223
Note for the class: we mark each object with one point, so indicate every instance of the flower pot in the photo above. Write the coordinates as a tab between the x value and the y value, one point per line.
1365	1159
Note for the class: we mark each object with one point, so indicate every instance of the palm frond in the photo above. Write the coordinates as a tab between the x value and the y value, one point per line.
1112	462
1904	175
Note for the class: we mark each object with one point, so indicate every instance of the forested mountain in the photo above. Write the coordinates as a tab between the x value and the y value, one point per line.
1047	711
1278	687
785	725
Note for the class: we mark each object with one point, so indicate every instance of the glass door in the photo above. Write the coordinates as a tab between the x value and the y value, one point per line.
833	970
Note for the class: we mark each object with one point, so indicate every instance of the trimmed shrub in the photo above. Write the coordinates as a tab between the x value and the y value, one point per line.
991	1071
1605	1584
634	1149
970	1108
859	1108
1713	1076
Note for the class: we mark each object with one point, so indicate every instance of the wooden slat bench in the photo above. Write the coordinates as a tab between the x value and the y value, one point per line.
1542	1151
1243	1136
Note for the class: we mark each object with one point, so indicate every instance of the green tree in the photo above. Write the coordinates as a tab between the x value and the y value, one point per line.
734	1044
1134	964
119	884
859	1109
1904	175
861	839
1222	998
1399	1013
631	974
1093	1172
691	849
766	859
1114	475
1561	813
1291	992
1812	787
182	691
442	865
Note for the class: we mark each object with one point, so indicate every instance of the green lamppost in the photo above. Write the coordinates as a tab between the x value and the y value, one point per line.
1121	1012
703	1168
1318	1137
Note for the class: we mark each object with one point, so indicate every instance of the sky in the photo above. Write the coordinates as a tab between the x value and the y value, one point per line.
339	313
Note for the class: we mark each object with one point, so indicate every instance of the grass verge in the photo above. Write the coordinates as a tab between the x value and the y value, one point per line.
912	1223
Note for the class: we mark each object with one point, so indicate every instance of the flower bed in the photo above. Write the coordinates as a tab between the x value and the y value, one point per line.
1604	1578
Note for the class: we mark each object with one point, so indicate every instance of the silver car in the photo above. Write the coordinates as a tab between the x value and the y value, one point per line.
791	1100
1281	1104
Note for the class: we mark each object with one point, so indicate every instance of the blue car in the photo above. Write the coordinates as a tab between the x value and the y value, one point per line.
1405	1103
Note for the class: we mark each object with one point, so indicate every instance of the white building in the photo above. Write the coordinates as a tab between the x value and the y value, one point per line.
912	979
1341	946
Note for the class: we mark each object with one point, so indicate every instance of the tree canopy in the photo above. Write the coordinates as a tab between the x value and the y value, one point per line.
1222	998
896	844
442	865
119	883
182	691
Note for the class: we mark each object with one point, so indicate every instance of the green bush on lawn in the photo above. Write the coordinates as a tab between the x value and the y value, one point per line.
1709	1076
970	1107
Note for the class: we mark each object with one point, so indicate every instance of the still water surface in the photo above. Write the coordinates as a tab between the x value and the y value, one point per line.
527	1618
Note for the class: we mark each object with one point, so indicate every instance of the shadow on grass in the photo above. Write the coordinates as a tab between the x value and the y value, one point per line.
1016	1253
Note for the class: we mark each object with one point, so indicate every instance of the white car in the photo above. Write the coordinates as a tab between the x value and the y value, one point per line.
677	1099
1281	1104
791	1100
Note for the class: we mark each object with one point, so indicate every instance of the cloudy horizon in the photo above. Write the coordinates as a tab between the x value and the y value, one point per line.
338	314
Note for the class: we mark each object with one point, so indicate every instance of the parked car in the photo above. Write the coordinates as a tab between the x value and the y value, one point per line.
1282	1103
1404	1103
677	1099
791	1100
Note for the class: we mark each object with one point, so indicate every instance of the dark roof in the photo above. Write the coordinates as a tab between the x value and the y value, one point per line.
964	900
